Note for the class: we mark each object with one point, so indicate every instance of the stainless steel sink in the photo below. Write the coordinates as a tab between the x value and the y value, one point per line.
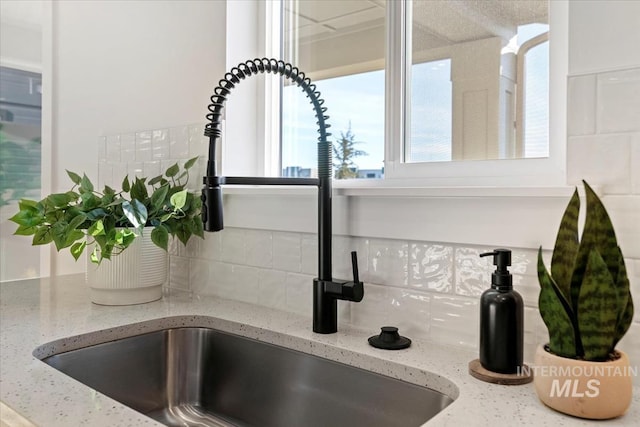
205	377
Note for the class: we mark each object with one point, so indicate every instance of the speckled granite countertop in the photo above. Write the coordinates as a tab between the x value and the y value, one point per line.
41	311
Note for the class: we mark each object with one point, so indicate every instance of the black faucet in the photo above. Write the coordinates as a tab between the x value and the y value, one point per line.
326	291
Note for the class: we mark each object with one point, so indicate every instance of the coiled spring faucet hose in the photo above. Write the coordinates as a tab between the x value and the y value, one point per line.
275	66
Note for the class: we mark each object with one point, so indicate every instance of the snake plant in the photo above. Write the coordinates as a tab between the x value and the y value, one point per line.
585	301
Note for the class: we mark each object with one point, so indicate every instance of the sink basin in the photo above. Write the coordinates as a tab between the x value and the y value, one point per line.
205	377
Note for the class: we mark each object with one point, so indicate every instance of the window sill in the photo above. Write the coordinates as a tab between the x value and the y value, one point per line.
486	216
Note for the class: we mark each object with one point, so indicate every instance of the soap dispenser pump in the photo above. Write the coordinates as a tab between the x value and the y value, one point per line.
501	319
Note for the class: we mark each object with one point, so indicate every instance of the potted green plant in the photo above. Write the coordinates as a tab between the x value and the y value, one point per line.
586	304
139	218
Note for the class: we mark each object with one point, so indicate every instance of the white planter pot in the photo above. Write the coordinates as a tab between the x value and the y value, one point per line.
593	390
135	276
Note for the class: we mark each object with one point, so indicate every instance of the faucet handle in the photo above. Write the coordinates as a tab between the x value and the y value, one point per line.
354	266
342	289
354	291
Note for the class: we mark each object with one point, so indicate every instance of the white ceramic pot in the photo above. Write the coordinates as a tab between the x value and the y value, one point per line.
135	276
593	390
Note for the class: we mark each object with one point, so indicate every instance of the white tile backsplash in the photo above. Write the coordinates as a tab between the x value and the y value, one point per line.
431	267
193	248
259	248
113	148
525	275
388	262
342	246
287	252
233	246
105	174
455	321
136	169
231	281
120	170
160	147
635	160
528	288
373	310
143	146
473	273
299	293
633	271
179	272
152	168
198	143
102	148
601	160
309	248
618	101
179	142
531	316
582	99
245	284
128	147
272	286
198	271
212	247
625	213
524	262
220	281
410	312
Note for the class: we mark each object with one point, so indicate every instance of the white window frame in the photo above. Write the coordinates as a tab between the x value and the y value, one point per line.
547	172
45	68
521	107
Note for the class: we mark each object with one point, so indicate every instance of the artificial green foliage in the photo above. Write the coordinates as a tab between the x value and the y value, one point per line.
586	301
110	220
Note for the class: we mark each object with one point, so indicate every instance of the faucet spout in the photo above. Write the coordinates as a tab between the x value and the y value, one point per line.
326	290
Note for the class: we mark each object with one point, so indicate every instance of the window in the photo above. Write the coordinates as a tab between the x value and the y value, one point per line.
452	85
357	121
20	158
431	116
340	46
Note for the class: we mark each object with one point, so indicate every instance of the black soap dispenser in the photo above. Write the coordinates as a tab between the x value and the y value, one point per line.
501	319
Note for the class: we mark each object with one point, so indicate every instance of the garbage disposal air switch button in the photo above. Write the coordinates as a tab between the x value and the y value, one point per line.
389	339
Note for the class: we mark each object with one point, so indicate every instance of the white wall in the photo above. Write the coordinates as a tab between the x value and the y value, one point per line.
26	53
127	66
21	35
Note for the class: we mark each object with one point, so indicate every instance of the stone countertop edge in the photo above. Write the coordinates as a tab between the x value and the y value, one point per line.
40	317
